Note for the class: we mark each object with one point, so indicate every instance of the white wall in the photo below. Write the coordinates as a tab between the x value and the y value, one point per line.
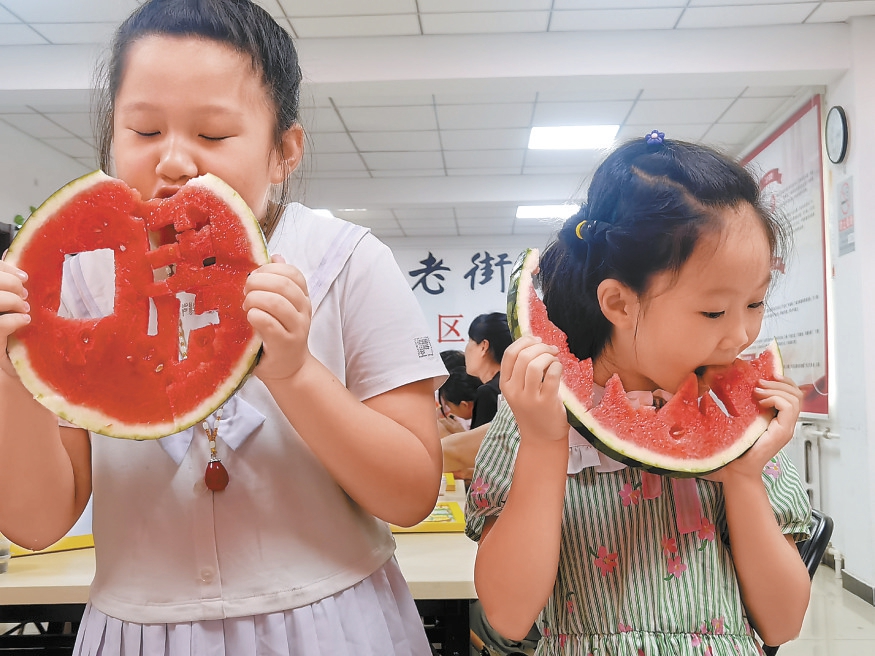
848	463
30	171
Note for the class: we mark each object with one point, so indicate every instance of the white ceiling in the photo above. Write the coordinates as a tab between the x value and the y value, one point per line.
418	111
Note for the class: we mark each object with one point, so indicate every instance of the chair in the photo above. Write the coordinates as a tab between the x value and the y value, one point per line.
811	551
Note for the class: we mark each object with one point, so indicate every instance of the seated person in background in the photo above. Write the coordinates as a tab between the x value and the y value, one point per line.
456	399
453	358
488	337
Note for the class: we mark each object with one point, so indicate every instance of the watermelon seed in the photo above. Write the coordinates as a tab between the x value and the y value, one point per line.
122	248
159	368
677	432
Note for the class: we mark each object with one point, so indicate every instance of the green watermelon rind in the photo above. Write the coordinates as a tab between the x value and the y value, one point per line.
86	417
603	437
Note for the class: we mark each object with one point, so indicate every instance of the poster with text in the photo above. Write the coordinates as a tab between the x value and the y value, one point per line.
790	170
453	285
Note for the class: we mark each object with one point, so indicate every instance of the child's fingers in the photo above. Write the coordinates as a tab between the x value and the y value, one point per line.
536	371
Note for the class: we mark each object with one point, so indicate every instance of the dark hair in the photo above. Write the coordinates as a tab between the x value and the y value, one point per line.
460	386
453	358
647	207
492	327
241	24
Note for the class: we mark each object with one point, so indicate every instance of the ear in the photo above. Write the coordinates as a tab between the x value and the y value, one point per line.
618	303
292	151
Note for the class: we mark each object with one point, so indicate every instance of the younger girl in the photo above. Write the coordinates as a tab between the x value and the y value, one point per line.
333	434
662	272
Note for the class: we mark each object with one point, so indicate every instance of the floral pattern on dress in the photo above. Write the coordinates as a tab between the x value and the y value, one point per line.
478	491
631	495
773	469
604	560
707	533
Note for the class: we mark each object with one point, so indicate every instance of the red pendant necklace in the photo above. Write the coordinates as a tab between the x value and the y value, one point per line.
215	476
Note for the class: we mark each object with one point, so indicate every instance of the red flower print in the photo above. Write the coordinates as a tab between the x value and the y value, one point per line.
478	490
630	495
641	652
708	651
563	638
719	625
669	546
605	561
773	469
706	533
569	603
696	639
676	567
624	628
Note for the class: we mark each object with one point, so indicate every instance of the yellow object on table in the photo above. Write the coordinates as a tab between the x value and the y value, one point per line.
64	544
447	517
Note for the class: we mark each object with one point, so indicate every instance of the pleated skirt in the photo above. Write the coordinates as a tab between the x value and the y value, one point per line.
376	617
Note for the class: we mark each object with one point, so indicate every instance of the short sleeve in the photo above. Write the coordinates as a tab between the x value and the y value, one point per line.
385	338
788	498
493	470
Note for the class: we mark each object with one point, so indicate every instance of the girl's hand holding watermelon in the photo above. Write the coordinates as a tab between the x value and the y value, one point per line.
278	308
530	373
13	308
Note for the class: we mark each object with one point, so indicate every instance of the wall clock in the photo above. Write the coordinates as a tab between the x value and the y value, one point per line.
836	134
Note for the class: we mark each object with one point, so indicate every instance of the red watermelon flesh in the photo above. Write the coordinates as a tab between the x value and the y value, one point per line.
689	435
109	374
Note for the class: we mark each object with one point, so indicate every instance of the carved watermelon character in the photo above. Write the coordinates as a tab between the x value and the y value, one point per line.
690	435
138	371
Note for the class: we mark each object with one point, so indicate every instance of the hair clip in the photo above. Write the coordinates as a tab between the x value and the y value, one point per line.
655	137
577	229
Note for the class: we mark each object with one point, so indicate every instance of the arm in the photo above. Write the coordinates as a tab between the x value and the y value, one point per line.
530	382
45	472
384	452
774	582
460	449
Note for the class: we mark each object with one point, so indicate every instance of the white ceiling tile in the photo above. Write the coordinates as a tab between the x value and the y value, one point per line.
36	126
392	161
67	33
330	142
746	15
320	119
485	22
507	219
463	172
656	112
388	119
473	117
839	12
294	8
614	19
581	113
356	26
11	108
448	230
616	4
485	212
426	215
71	146
774	92
557	170
89	163
689	93
397	141
364	100
486	230
272	7
386	233
485	98
485	139
684	132
65	11
443	6
77	123
721	3
733	133
576	158
368	216
336	162
6	17
752	110
410	173
536	227
587	95
17	34
309	172
375	223
474	159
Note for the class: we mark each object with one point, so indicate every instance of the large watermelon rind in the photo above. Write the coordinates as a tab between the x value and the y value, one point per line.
85	416
523	282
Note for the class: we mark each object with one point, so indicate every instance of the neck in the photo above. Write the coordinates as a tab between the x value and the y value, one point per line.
609	362
489	374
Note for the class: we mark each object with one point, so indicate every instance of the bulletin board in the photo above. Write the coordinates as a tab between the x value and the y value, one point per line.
789	167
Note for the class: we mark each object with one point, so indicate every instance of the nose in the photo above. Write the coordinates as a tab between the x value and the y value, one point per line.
176	163
741	331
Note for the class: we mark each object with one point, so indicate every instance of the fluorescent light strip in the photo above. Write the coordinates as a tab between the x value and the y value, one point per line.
546	211
573	137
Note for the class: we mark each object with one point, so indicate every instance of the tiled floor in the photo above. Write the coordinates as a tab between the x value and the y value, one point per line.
837	622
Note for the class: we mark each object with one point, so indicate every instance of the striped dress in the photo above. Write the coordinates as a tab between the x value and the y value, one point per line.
629	584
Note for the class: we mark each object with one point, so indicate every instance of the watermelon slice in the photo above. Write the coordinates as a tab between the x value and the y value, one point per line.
139	372
689	436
